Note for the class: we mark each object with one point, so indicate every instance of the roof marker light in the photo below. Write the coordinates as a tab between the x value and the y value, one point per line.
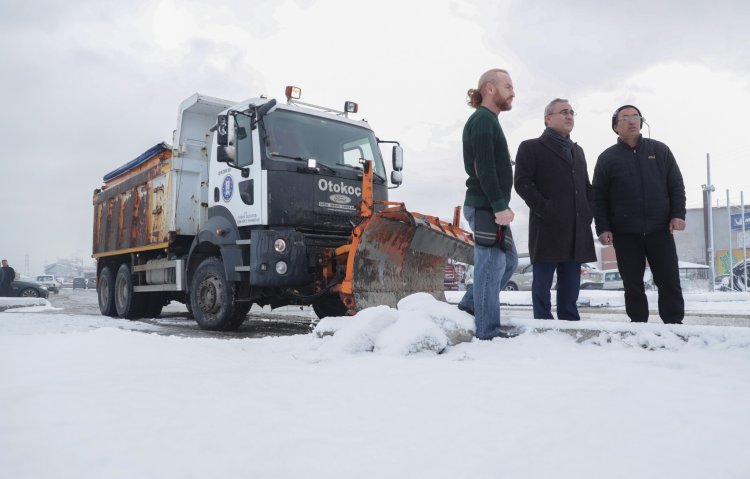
294	92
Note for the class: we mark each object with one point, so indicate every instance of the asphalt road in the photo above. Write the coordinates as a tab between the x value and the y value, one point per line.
175	319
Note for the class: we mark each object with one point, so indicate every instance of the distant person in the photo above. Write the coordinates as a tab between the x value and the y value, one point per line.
7	277
552	178
487	163
639	201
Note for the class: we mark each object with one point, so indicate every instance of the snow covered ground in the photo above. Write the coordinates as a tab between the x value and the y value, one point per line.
84	397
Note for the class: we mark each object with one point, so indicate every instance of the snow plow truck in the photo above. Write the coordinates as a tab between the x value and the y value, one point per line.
265	203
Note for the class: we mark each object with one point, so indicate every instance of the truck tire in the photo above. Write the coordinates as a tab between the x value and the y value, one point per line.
330	305
128	304
212	298
105	291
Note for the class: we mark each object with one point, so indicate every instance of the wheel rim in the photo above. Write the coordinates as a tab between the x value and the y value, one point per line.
29	293
103	291
209	292
121	293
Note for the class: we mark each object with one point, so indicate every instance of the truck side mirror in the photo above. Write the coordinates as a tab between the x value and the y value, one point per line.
226	154
398	159
222	130
396	177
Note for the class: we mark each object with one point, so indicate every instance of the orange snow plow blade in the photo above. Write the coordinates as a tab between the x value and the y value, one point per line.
395	253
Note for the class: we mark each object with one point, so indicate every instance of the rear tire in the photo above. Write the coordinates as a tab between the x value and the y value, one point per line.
105	290
128	304
330	306
212	298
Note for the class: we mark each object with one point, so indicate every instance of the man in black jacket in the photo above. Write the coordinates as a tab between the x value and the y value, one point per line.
552	178
639	200
7	275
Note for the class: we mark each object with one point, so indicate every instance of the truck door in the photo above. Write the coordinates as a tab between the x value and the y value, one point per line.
241	193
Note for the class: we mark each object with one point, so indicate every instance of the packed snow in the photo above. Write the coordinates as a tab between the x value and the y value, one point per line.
391	392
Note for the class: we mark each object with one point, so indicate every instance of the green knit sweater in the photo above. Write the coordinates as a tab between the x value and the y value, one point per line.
487	162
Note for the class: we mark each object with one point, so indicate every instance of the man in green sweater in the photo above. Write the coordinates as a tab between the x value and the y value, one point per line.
487	162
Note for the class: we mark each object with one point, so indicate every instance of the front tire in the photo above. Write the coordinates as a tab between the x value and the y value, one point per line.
29	293
128	304
105	290
511	286
329	306
212	298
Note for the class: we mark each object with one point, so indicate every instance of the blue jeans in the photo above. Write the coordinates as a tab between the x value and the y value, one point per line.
568	288
493	268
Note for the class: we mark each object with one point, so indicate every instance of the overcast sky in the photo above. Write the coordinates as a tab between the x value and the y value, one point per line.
88	85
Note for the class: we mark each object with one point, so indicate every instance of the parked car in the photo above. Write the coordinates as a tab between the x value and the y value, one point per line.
49	281
521	281
80	282
612	279
591	278
28	289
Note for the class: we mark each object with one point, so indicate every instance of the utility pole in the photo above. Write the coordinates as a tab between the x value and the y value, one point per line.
708	221
744	238
730	256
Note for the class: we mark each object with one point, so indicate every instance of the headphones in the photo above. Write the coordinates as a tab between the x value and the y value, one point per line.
614	115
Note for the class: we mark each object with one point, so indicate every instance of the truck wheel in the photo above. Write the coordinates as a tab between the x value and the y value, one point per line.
105	290
329	306
212	298
128	304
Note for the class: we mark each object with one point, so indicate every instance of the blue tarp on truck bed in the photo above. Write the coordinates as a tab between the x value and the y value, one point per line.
154	150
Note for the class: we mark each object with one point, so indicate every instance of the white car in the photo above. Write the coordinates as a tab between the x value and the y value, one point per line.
612	279
49	282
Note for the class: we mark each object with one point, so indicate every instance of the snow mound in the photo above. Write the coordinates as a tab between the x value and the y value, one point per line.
420	324
24	305
672	337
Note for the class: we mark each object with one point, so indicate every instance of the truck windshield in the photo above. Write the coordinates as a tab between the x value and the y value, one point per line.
291	135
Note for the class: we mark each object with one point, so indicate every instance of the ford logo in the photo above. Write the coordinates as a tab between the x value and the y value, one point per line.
340	199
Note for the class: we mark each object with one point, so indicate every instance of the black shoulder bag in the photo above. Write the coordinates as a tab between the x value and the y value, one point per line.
487	233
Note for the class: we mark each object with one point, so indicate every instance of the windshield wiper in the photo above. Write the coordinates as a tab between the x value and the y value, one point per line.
299	158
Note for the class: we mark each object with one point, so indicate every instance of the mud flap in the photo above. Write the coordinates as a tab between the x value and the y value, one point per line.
399	253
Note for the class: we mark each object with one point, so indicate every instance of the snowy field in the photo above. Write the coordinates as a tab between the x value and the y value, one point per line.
84	396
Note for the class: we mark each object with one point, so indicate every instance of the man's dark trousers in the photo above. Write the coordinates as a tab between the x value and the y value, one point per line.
659	249
568	287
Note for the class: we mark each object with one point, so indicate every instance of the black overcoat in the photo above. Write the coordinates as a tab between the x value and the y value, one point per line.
559	196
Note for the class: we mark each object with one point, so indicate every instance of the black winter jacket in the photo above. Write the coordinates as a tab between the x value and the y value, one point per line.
637	190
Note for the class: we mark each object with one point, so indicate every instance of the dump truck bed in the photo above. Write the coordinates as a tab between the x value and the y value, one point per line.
147	202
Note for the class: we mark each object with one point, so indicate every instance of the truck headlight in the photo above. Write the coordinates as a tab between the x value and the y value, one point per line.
281	267
279	245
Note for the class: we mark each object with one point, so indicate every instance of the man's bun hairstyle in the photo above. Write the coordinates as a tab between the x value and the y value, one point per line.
617	112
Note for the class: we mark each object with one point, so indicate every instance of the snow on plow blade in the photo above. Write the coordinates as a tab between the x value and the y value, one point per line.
395	253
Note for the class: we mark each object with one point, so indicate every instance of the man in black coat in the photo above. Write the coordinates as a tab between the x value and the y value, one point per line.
639	200
7	275
552	178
